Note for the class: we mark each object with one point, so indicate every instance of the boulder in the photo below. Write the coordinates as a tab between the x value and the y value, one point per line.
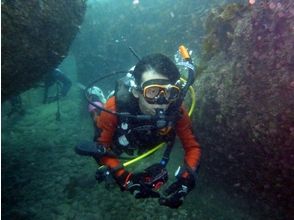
36	36
245	100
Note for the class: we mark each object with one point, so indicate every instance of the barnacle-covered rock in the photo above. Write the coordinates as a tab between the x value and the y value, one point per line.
246	99
220	26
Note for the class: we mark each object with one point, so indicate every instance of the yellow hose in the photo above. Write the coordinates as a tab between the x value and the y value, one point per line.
143	155
193	97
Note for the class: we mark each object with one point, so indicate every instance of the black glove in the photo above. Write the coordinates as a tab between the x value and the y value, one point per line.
177	191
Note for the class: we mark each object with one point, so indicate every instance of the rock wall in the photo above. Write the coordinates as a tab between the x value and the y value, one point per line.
36	36
245	100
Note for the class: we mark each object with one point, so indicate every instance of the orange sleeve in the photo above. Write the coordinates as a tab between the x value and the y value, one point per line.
107	123
191	146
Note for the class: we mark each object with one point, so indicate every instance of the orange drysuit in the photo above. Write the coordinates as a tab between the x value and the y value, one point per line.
108	124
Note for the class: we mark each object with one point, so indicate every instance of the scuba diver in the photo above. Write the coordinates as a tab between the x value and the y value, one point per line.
63	85
147	109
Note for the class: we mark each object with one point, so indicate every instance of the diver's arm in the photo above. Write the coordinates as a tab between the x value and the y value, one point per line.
191	146
107	124
185	177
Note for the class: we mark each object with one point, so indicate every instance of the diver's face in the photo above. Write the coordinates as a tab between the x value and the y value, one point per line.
145	107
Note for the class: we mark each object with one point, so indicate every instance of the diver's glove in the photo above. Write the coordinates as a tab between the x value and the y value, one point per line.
176	192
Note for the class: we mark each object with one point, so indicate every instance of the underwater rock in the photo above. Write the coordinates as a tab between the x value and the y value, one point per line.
245	102
36	36
220	26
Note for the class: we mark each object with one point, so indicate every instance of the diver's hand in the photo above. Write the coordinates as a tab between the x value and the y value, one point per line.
176	192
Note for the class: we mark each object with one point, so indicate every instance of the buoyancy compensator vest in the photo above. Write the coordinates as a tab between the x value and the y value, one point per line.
136	133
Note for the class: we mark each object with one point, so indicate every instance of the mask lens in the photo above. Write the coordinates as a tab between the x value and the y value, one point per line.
172	93
153	92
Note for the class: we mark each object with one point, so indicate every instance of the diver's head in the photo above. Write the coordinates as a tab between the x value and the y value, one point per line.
155	76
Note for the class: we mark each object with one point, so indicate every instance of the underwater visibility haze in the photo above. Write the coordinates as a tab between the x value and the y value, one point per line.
243	116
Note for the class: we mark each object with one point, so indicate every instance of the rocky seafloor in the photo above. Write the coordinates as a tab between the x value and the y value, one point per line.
43	178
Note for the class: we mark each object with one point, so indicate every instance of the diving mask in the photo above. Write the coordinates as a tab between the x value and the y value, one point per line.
160	91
